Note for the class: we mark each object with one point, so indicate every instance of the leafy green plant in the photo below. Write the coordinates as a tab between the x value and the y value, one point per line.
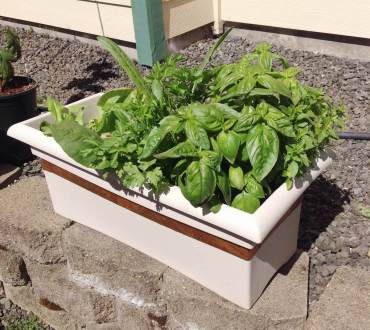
227	134
365	211
11	52
31	323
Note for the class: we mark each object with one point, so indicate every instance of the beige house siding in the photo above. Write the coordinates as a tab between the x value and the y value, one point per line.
110	17
342	17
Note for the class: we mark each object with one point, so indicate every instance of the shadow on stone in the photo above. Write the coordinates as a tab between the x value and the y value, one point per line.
322	202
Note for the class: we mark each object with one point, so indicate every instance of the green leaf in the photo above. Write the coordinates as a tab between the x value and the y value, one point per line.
114	96
279	121
213	50
253	187
157	134
214	204
211	159
154	177
263	149
200	183
157	89
264	92
265	60
365	211
55	108
229	143
246	202
126	64
246	121
292	170
183	149
78	142
210	116
236	177
223	184
275	85
131	176
197	134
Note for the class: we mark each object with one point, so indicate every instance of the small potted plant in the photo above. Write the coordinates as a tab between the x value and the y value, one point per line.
17	100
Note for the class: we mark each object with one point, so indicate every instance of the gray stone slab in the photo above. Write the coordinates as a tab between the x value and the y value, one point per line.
28	224
345	303
282	305
8	173
285	299
111	266
12	268
24	297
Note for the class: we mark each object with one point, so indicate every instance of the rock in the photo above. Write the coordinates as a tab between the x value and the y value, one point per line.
12	269
345	303
323	243
353	242
8	173
23	296
192	306
55	291
111	266
361	250
28	224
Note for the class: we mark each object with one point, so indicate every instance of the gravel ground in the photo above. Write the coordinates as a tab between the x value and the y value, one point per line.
334	231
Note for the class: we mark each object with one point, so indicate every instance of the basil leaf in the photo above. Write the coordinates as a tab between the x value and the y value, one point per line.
157	134
211	159
279	121
246	202
263	149
264	92
200	183
275	85
214	204
246	122
253	186
183	149
209	116
292	170
236	177
223	184
229	143
197	134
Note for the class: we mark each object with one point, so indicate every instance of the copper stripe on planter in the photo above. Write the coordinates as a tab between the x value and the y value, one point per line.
200	235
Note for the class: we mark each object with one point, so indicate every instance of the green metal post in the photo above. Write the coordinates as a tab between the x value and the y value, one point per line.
149	31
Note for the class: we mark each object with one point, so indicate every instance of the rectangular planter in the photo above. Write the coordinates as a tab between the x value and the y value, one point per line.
232	253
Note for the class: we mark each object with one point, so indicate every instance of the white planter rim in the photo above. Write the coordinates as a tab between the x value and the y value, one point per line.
253	227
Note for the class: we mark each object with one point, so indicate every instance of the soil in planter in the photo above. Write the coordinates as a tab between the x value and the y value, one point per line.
17	85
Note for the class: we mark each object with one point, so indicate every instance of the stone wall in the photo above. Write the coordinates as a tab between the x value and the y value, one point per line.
73	277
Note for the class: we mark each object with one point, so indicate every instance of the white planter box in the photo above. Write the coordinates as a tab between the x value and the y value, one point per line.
232	253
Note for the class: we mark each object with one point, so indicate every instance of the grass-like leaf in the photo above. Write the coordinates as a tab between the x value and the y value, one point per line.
126	64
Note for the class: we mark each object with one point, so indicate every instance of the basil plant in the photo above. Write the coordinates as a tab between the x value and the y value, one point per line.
228	134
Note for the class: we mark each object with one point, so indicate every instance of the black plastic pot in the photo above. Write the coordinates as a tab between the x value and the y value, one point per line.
15	108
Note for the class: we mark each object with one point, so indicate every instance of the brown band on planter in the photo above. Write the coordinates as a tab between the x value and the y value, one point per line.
200	235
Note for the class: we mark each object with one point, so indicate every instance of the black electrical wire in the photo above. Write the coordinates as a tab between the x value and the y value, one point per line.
354	135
